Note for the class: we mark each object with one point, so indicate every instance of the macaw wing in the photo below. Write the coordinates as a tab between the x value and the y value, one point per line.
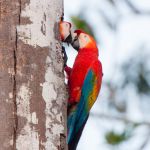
89	93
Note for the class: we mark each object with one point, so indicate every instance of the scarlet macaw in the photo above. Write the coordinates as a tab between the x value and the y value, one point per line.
84	81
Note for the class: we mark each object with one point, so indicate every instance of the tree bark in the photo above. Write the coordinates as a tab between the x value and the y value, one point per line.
32	90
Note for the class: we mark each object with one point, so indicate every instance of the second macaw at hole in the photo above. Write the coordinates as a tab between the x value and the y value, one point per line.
84	81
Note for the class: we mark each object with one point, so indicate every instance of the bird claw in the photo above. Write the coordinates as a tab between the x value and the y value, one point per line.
65	57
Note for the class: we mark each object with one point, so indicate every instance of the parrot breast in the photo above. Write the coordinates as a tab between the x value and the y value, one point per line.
77	76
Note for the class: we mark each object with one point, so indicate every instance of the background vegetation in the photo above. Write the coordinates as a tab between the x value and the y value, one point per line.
121	117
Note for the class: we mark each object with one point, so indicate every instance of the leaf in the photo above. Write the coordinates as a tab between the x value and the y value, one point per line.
117	138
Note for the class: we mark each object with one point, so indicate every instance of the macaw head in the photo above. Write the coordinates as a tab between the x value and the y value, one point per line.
82	40
65	31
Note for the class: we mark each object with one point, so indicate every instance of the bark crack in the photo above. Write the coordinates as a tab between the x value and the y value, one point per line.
14	82
14	98
20	8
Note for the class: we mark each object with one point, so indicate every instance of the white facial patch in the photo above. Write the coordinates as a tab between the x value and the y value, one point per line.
83	40
66	30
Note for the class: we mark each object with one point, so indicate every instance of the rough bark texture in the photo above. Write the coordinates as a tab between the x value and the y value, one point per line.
32	89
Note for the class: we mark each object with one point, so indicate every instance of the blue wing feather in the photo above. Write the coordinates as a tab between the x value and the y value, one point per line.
82	109
77	118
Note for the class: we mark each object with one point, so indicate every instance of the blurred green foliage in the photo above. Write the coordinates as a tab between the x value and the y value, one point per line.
117	138
81	23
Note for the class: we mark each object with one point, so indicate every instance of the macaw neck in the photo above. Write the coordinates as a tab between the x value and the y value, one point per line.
88	51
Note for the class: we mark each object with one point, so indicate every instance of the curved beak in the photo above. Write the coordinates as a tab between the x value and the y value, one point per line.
75	42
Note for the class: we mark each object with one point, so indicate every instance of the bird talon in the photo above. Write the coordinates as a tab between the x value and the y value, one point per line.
65	58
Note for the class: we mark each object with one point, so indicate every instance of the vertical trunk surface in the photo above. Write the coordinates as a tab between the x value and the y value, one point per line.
32	89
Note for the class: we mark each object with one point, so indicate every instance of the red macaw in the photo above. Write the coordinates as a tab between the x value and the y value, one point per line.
84	81
84	85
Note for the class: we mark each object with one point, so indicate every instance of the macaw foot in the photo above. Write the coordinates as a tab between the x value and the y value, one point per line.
71	107
64	56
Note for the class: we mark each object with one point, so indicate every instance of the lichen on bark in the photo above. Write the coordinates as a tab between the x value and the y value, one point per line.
35	92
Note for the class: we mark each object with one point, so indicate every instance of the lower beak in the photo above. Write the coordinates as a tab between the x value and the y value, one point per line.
75	44
68	40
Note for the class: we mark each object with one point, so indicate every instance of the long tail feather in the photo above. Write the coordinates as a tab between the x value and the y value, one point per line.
72	145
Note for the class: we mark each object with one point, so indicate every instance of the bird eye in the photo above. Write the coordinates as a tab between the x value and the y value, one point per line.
86	38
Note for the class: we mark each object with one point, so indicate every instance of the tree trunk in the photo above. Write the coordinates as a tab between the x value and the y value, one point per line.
32	90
